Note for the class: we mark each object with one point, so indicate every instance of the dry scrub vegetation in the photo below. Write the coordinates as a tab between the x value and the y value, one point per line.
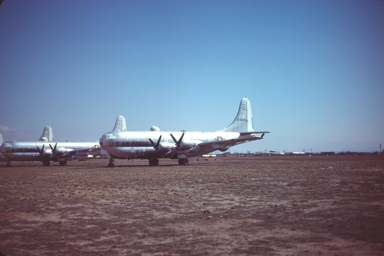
261	205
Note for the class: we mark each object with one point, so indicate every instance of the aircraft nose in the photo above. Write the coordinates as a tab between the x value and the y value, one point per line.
105	138
102	140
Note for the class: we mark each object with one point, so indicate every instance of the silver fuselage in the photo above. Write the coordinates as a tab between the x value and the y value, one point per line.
136	144
34	151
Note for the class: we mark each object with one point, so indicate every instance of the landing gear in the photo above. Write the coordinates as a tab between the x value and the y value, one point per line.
183	161
153	162
63	163
111	162
8	164
46	163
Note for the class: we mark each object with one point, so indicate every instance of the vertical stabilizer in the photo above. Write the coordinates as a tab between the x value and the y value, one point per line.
47	134
243	121
120	124
1	139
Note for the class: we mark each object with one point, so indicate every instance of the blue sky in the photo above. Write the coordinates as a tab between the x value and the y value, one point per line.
313	70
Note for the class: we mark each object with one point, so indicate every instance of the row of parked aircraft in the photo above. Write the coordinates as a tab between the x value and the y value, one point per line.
123	144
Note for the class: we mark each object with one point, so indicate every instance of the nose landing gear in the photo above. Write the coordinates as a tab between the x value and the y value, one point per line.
111	162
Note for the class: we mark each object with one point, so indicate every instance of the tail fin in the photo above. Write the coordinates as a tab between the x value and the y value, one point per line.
1	139
243	121
120	124
47	134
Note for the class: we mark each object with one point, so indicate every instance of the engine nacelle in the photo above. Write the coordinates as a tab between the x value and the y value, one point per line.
223	149
166	146
194	150
187	144
62	151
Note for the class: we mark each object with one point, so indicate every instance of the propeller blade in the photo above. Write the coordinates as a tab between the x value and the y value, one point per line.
155	146
158	142
181	138
174	138
40	150
178	142
54	148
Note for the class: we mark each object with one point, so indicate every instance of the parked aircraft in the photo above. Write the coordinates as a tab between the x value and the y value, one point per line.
2	157
46	150
154	144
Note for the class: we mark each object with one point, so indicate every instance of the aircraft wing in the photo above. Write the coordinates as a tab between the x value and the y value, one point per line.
71	152
82	152
244	137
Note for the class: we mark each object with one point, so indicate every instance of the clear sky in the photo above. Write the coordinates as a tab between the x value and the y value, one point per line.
313	70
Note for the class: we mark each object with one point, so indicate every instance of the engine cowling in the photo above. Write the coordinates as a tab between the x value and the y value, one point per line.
188	144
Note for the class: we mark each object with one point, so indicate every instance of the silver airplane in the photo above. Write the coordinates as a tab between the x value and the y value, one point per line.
46	150
154	144
2	157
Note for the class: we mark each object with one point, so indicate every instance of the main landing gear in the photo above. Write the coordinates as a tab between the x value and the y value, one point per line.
183	161
153	162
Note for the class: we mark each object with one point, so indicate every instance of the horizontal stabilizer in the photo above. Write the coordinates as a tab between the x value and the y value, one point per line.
250	133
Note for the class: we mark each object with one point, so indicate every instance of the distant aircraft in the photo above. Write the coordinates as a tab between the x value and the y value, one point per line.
154	144
2	157
46	150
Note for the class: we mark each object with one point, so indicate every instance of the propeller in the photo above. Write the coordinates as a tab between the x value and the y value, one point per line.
45	157
155	145
53	149
41	151
178	142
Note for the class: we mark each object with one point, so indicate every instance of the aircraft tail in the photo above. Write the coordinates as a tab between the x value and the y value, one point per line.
243	121
120	124
47	134
1	139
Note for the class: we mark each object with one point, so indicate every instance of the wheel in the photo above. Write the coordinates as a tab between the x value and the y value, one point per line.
63	163
111	164
46	163
183	161
153	162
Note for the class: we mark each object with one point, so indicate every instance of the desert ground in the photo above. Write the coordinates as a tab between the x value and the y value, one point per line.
270	205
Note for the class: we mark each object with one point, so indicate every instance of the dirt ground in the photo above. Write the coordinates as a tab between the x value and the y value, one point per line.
286	205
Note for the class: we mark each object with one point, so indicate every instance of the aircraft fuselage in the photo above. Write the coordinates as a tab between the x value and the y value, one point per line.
130	144
39	150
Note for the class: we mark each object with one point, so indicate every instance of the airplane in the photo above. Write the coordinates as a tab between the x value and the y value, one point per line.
46	150
154	144
2	157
